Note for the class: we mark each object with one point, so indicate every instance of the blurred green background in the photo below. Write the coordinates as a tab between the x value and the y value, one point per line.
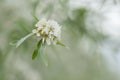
90	28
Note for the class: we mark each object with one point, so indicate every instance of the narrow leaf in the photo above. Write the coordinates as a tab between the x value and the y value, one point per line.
39	43
35	54
59	43
42	55
23	39
13	42
45	59
35	18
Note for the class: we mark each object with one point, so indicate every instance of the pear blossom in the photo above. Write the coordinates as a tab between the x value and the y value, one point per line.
48	30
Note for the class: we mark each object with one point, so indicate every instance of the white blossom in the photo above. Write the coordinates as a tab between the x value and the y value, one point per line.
48	30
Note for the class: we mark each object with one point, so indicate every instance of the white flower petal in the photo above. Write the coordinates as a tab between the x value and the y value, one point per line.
48	41
38	34
34	31
50	31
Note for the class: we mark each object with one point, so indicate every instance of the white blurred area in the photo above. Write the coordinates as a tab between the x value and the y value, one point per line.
110	25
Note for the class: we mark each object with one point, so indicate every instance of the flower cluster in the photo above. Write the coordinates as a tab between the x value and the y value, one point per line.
48	30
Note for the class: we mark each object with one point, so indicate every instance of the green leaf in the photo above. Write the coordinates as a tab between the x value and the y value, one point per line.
36	18
39	43
13	42
60	43
36	51
42	55
44	59
35	54
23	39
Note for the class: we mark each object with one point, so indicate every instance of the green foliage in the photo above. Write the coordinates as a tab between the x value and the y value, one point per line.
44	58
13	43
37	51
23	39
35	54
35	18
61	44
40	51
